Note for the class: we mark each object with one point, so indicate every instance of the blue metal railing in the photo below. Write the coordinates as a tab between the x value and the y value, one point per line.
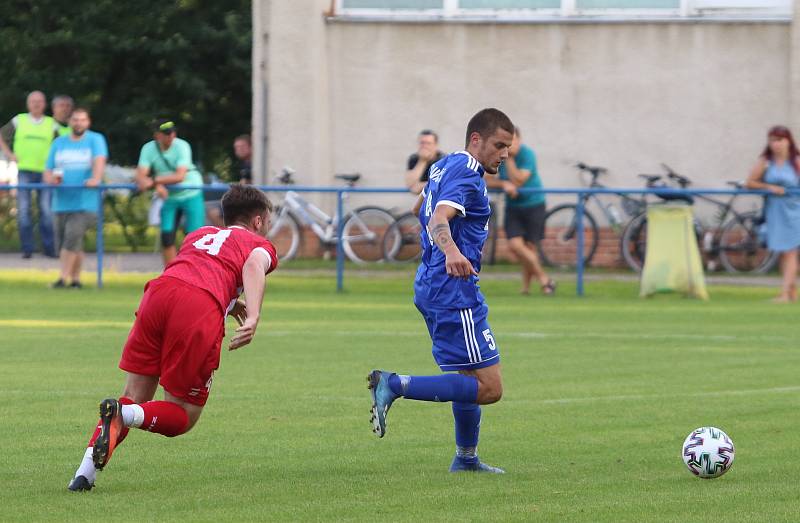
340	192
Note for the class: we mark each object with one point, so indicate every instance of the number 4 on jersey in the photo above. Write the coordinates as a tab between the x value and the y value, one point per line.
212	243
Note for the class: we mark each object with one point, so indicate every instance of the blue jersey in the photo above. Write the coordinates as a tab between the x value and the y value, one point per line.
457	181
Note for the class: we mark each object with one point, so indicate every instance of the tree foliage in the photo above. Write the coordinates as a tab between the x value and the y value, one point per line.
130	62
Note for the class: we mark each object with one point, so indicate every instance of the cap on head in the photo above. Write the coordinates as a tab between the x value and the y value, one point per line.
164	126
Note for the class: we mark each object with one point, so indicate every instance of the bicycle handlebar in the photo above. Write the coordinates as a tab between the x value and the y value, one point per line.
595	171
683	181
285	176
651	178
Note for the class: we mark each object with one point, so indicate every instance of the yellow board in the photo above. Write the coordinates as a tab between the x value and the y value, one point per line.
672	261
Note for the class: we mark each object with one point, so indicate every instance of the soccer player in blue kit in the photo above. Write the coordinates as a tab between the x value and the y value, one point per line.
454	211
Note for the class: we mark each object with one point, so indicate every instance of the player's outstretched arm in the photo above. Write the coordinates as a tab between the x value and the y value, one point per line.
457	265
253	272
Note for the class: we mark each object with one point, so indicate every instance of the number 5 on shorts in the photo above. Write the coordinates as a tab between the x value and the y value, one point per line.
212	243
489	338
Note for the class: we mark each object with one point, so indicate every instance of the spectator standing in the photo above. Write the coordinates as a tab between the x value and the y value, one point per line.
170	160
778	169
243	150
524	216
30	135
420	162
75	159
62	106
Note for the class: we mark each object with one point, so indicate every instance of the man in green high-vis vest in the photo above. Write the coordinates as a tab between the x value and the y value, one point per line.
31	134
62	106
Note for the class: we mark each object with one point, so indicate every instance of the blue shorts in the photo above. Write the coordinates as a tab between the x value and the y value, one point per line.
462	338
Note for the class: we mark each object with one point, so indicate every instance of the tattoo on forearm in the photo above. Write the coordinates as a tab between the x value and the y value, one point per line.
441	235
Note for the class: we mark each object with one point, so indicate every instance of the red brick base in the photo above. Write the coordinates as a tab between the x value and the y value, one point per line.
607	254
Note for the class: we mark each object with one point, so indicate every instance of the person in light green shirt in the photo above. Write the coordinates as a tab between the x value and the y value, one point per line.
169	160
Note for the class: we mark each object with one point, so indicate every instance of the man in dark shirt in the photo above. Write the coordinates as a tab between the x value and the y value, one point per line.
243	149
420	162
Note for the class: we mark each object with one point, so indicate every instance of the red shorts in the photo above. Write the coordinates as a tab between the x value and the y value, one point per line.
177	336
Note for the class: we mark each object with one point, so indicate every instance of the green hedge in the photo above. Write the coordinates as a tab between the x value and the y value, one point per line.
125	228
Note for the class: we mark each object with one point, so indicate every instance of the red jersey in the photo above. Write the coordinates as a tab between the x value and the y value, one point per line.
212	259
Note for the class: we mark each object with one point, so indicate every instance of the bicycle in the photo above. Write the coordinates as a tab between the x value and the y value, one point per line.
401	243
362	228
734	239
559	245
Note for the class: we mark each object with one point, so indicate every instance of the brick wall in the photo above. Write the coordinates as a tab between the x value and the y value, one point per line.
607	254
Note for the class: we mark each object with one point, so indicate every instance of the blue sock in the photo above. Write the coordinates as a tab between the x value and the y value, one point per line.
444	387
467	418
395	384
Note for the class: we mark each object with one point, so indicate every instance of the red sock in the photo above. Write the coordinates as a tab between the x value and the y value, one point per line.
124	432
164	417
95	435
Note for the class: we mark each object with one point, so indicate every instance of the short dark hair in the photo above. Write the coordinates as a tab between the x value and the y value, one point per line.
80	109
428	132
242	202
63	98
487	121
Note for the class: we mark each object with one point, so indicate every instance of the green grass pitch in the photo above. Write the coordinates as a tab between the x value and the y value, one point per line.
600	393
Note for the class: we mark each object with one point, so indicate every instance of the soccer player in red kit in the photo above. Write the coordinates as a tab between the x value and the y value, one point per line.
177	335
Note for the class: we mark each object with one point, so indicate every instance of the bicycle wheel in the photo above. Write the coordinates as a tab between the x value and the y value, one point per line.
362	234
559	246
401	241
284	233
740	249
633	243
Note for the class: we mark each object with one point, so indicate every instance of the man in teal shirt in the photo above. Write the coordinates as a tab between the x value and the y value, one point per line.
169	160
525	212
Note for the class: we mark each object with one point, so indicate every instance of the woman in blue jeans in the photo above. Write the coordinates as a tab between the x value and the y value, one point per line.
778	169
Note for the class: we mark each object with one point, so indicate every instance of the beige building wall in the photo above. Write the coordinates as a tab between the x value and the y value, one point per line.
351	96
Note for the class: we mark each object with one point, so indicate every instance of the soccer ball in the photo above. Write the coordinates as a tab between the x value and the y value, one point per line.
708	452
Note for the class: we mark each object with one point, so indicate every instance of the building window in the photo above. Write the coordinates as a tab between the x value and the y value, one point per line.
628	4
392	4
509	4
533	10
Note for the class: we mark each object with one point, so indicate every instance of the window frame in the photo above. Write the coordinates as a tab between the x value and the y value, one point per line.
690	10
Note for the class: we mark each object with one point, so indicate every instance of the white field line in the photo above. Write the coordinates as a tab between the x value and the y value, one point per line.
636	397
416	331
534	335
557	401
